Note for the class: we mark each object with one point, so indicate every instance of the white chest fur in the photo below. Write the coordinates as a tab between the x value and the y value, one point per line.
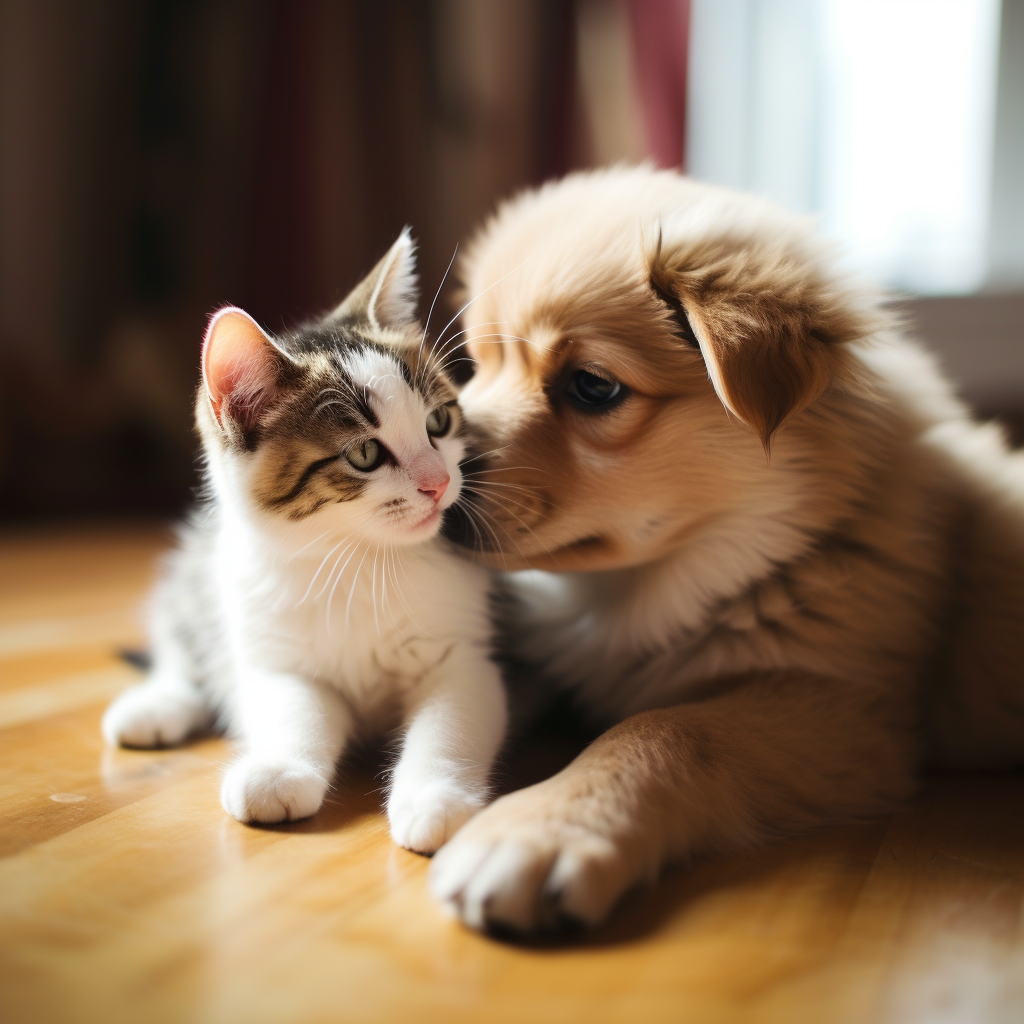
368	620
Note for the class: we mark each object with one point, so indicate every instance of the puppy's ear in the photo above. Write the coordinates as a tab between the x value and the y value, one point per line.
768	344
387	296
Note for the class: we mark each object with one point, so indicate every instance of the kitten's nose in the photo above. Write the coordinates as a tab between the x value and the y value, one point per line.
434	488
427	468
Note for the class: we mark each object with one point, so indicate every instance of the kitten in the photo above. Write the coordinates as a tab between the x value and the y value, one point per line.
309	601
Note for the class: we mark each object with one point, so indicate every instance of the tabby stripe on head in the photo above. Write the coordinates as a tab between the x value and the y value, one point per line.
300	485
362	403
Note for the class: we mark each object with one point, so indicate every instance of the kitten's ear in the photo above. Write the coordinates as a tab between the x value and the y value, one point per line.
241	368
387	296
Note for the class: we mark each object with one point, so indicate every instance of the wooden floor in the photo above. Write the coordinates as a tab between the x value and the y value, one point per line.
126	894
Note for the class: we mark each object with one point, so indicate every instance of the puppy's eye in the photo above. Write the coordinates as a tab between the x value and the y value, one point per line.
366	456
593	391
438	422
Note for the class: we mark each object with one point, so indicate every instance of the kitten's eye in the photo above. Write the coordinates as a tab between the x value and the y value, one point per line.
366	456
439	421
593	391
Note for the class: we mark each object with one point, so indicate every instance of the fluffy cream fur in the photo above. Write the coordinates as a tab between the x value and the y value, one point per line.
786	568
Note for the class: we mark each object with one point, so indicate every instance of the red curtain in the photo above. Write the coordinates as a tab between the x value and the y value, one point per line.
660	44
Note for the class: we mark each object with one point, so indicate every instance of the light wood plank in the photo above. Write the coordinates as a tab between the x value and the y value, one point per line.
67	693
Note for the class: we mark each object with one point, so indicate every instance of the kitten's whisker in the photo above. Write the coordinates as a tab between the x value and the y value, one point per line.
295	554
323	399
479	485
341	555
349	392
389	568
447	352
385	601
327	582
352	589
471	519
341	574
302	599
326	557
373	591
321	406
483	455
498	548
468	510
385	598
479	337
507	469
500	497
488	522
504	530
377	378
458	334
491	497
474	478
508	512
472	488
396	564
430	313
480	296
466	330
521	494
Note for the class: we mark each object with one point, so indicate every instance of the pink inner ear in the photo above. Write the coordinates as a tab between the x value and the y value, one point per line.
239	366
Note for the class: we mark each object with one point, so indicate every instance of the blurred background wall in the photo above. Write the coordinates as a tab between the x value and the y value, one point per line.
159	158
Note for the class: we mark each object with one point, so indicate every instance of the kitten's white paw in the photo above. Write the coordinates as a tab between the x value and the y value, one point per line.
153	716
258	790
423	818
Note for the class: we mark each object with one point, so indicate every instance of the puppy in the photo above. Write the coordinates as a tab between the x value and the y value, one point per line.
781	563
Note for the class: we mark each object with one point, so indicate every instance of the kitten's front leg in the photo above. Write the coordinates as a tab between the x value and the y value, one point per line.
455	730
293	732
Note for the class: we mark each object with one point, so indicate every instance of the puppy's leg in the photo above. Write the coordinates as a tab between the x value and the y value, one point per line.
777	756
442	776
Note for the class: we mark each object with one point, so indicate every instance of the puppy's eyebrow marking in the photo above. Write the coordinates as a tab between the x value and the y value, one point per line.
682	321
674	303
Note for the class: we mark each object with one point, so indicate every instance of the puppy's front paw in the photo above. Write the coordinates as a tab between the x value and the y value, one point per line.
267	791
524	864
150	716
423	818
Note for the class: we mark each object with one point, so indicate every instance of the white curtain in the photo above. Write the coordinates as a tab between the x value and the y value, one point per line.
877	115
